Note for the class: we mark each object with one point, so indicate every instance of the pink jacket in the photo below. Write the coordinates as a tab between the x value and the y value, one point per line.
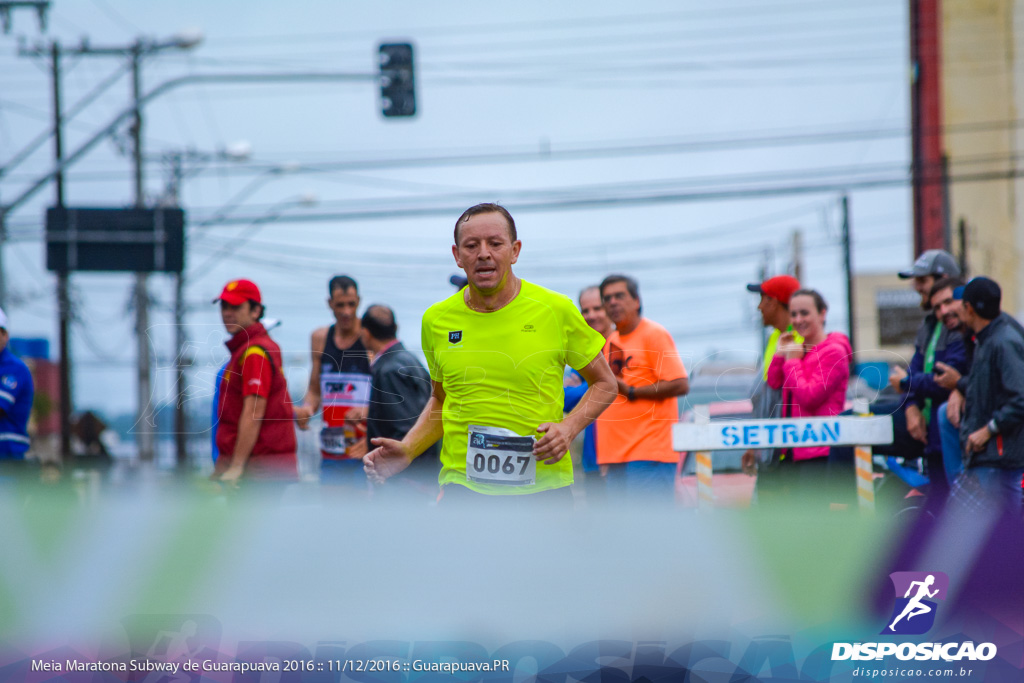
815	385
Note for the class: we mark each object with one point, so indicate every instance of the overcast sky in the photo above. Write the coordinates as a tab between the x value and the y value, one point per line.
651	138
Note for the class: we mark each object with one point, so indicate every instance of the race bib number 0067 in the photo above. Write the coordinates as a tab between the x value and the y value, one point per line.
500	456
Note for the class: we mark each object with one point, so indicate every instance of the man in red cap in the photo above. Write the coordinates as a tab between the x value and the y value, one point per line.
774	307
255	435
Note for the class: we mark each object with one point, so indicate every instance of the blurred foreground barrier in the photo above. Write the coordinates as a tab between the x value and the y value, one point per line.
859	432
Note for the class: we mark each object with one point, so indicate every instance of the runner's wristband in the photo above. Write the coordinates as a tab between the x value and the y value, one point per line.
632	394
992	426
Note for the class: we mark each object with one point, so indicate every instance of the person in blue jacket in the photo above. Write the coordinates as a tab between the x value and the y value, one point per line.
575	387
16	394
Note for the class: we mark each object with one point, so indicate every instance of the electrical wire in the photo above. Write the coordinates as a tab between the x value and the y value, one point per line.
610	151
577	23
117	18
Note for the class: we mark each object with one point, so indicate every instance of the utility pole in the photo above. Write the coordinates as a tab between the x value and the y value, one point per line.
144	422
798	254
63	277
762	276
180	419
55	52
143	415
145	434
171	196
849	271
135	52
138	50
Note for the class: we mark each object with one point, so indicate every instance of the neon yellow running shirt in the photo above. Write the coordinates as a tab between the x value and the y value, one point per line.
503	371
773	345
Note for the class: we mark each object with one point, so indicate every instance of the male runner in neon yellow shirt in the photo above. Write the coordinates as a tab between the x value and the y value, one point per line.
497	351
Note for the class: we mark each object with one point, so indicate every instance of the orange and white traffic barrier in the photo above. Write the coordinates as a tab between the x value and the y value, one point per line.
865	477
859	431
705	494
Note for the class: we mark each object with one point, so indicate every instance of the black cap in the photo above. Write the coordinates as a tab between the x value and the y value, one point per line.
984	296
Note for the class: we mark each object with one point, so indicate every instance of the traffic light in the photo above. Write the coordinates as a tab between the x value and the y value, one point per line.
397	89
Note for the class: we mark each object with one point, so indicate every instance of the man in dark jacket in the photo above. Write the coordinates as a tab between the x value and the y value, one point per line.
939	346
948	305
399	389
935	343
992	429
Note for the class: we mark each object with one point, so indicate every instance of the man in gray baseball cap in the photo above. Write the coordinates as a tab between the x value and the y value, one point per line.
933	262
929	267
910	422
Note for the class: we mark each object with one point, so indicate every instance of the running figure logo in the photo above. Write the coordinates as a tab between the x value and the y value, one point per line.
914	610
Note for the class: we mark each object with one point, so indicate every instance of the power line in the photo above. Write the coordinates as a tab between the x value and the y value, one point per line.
571	153
75	109
117	18
562	253
701	42
546	200
592	63
613	150
577	23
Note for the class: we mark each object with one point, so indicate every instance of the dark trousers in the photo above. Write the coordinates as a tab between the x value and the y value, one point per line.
788	481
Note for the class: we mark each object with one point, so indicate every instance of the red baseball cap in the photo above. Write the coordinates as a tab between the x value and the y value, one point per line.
780	288
238	292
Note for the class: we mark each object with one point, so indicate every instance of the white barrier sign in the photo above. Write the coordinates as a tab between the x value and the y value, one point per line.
788	433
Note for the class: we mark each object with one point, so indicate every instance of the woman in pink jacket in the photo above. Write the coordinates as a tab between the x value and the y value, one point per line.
813	376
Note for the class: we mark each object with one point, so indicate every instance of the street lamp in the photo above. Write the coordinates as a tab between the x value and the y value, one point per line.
187	38
238	151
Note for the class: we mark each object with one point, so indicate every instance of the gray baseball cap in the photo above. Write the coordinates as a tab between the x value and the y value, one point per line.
935	262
